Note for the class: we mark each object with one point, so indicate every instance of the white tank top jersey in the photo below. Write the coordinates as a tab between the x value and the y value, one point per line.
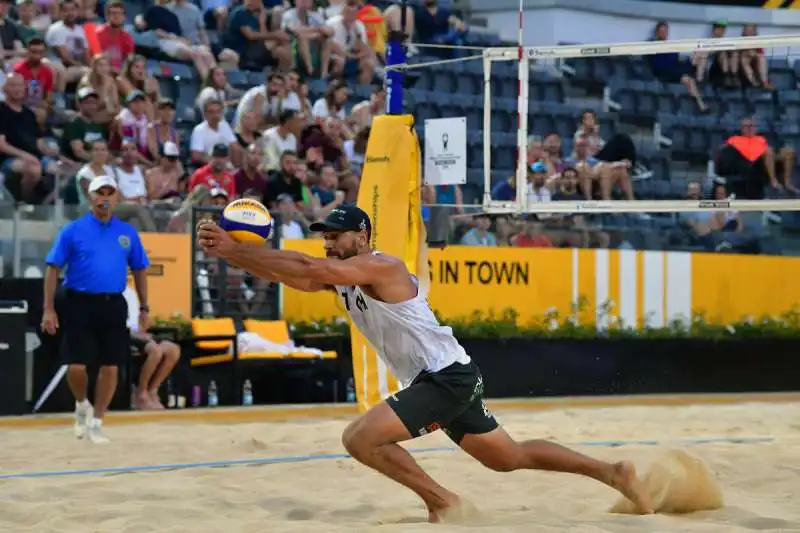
406	335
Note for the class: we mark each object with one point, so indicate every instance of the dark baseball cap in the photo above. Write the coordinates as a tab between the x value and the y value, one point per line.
346	217
220	150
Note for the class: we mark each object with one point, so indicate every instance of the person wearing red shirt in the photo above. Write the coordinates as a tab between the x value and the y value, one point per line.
111	39
532	236
213	175
39	79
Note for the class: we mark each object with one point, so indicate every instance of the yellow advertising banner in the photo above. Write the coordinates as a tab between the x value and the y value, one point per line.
169	278
628	287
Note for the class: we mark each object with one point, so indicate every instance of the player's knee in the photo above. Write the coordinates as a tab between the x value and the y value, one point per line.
507	461
353	441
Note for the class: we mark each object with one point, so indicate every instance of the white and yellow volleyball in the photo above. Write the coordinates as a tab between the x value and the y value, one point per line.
247	221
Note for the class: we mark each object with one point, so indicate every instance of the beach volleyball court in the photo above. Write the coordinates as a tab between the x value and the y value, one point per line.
291	475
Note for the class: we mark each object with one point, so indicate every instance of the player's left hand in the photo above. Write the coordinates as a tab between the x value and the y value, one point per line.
214	240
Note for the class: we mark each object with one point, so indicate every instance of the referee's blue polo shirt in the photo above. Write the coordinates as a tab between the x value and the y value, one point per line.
97	254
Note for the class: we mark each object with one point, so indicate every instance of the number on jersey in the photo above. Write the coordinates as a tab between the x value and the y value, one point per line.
361	304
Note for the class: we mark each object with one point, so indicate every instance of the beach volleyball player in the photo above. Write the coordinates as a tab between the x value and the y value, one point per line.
443	386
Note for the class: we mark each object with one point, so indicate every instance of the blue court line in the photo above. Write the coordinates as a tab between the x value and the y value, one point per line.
331	456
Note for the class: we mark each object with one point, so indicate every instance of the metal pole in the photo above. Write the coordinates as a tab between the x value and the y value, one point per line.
395	56
16	258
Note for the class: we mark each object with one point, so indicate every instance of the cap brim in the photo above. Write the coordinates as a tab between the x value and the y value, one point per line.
316	227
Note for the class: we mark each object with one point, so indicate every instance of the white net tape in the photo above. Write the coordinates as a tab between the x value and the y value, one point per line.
524	55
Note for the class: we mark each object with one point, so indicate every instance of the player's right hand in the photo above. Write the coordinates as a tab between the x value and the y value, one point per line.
49	322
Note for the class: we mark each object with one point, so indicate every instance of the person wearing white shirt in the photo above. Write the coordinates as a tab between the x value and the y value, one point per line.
281	138
98	166
264	100
213	130
290	228
332	103
133	189
350	43
308	29
70	47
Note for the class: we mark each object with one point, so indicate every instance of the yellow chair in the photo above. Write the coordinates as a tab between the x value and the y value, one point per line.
219	334
277	331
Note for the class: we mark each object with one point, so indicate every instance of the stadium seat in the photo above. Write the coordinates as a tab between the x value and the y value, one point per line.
277	331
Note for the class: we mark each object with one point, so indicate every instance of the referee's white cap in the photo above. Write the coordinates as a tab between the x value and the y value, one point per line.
102	181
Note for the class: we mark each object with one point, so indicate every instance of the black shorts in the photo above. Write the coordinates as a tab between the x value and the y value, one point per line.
95	328
450	399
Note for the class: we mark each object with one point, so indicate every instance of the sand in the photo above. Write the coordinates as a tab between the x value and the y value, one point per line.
760	482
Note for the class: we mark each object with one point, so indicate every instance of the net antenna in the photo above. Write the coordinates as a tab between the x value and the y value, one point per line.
524	54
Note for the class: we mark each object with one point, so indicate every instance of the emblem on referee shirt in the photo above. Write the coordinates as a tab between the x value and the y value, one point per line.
124	241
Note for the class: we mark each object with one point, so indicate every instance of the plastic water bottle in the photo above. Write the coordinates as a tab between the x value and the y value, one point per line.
351	391
247	393
213	399
196	400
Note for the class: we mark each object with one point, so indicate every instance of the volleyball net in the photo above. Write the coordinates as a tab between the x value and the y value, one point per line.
641	127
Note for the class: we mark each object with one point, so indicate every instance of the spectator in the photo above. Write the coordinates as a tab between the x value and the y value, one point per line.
162	129
246	134
96	167
506	190
532	235
672	68
10	36
25	154
39	80
538	184
363	112
333	102
133	188
161	356
67	40
180	221
215	14
26	13
551	154
717	230
254	33
350	44
214	175
285	182
250	177
503	230
219	197
281	138
134	77
312	39
212	131
618	149
112	40
84	129
133	123
216	87
326	195
591	171
296	94
89	11
755	62
436	25
535	149
724	68
750	164
100	79
163	180
480	234
291	220
193	31
449	201
264	100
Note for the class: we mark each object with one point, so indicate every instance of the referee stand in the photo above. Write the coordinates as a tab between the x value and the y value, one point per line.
96	251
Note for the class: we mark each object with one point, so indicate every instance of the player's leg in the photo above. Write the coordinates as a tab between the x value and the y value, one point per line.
477	432
372	440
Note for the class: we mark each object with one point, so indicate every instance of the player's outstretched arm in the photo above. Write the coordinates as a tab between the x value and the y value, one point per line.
285	264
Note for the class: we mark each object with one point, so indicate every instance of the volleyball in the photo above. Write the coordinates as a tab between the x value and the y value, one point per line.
247	221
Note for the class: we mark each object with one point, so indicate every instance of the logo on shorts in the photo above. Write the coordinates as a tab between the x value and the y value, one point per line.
430	428
124	241
486	412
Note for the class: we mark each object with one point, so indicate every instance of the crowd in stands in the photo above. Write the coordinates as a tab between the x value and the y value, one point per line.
282	112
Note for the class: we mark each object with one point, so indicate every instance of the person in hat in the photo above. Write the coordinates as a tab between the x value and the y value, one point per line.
442	385
84	128
162	129
215	174
133	123
96	250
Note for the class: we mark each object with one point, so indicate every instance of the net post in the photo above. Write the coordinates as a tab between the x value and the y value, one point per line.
523	74
487	127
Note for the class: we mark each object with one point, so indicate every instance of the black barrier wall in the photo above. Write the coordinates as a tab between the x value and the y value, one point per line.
552	367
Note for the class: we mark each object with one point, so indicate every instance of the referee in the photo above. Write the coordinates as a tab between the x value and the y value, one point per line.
96	251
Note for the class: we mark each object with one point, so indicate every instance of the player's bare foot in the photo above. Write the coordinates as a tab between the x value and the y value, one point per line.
457	511
624	479
142	401
155	401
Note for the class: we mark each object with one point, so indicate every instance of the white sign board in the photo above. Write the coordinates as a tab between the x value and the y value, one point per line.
446	151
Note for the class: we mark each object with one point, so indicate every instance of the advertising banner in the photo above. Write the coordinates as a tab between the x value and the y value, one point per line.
169	277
